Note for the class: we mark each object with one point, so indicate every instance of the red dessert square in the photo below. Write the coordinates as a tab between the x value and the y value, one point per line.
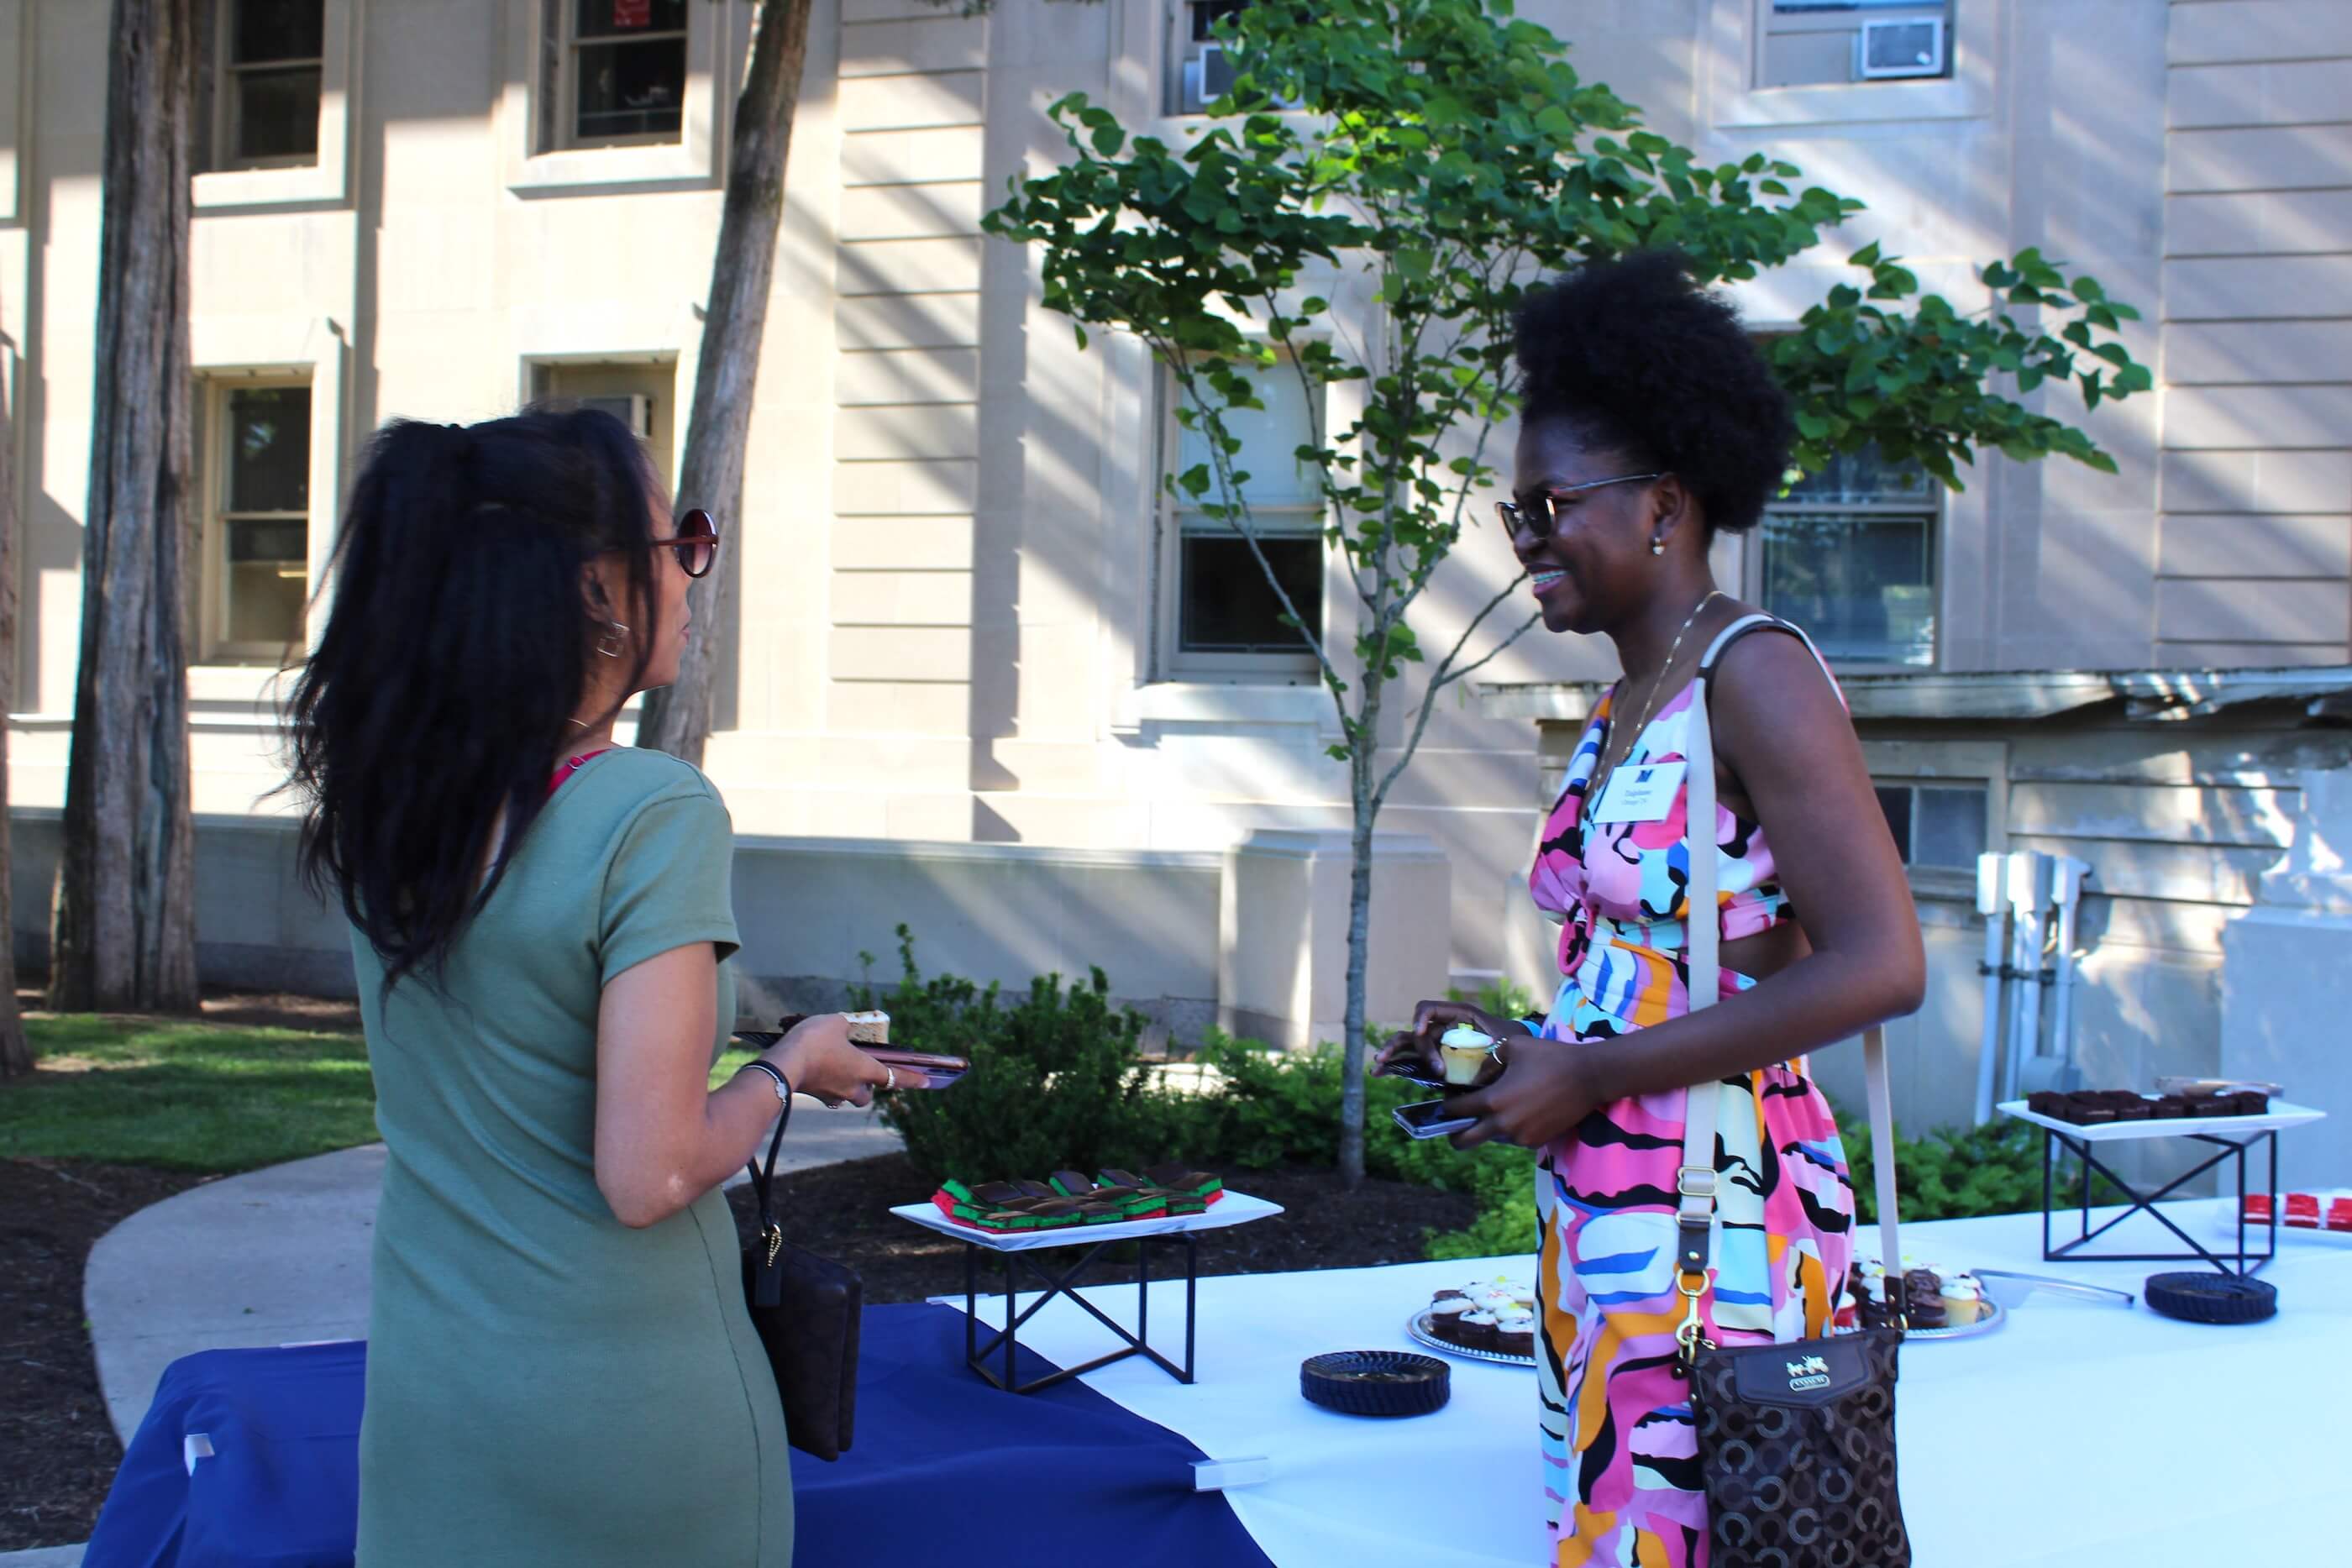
2339	1214
2256	1209
2303	1209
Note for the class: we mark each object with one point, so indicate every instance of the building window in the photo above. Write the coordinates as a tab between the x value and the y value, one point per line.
1812	43
1200	71
270	58
622	68
1226	618
1938	825
258	529
1850	555
641	394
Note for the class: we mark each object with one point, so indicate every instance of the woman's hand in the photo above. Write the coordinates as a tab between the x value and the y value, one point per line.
1545	1090
817	1059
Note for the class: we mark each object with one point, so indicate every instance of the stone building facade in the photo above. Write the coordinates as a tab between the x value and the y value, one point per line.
973	635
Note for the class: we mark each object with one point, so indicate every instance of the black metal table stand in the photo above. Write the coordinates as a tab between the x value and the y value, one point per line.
1064	1282
2226	1149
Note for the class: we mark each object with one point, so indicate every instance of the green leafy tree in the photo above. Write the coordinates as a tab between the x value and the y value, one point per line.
1365	209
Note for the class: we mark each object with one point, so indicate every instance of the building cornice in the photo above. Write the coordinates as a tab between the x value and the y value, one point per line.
2323	690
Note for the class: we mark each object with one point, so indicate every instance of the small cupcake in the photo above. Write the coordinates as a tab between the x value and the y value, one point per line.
1478	1329
1465	1052
1963	1299
1515	1333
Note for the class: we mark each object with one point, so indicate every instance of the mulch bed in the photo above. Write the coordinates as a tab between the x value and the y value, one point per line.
839	1211
57	1450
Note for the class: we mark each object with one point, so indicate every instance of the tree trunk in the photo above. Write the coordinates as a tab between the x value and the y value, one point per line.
1366	810
16	1052
124	935
711	476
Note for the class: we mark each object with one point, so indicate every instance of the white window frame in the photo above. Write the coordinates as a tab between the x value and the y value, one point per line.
1173	662
567	136
1753	583
717	34
323	180
212	643
227	100
1182	50
665	443
1947	764
240	347
1731	101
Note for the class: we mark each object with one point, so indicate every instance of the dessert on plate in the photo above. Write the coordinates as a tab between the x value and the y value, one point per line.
1934	1296
1073	1197
1494	1315
2099	1107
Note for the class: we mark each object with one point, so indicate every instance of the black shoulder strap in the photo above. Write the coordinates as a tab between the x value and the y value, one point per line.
768	1282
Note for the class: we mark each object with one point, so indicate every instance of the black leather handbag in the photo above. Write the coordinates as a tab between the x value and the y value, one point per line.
1796	1442
806	1309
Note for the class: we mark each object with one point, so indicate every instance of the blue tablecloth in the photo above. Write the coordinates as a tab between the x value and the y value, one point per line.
945	1469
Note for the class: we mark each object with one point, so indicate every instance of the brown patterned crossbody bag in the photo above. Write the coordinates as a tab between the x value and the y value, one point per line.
1796	1442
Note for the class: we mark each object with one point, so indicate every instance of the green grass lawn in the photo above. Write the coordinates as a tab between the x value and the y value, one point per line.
186	1096
194	1096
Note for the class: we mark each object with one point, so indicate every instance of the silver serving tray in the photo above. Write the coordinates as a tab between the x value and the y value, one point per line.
1994	1317
1418	1327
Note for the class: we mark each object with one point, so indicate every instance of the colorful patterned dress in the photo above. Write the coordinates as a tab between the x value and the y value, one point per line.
1622	1481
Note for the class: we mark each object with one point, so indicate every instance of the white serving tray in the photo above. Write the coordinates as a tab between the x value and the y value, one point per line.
1234	1209
2279	1114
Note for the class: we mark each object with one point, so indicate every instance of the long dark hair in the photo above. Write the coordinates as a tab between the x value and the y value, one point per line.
458	649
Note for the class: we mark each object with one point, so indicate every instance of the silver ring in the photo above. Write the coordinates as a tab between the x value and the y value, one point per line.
892	1080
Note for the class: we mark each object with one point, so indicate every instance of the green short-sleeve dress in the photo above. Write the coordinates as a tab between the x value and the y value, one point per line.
544	1385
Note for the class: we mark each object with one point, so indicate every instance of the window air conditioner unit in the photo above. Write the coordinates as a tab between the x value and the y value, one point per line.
1208	77
1911	47
634	410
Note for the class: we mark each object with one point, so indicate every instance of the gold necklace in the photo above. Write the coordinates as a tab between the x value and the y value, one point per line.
1657	684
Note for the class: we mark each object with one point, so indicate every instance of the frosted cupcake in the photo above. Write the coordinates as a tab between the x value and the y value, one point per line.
1465	1052
1964	1300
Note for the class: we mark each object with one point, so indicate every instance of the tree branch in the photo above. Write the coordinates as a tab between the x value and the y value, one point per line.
1446	678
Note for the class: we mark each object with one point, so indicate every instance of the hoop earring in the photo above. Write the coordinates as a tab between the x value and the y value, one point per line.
1657	546
614	640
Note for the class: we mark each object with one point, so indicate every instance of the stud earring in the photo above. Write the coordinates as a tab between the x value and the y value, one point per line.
615	639
1657	546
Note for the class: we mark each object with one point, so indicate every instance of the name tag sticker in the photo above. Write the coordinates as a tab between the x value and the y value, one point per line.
1642	794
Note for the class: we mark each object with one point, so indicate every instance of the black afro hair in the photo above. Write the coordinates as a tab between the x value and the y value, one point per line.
1644	363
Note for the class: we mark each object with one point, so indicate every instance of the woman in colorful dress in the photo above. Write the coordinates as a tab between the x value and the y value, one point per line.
1651	424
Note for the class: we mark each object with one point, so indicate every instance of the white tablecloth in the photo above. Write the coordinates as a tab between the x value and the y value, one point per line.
2077	1434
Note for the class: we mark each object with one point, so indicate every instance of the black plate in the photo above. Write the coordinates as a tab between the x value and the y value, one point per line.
1376	1382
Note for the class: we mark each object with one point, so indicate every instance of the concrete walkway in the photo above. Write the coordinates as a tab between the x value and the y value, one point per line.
280	1255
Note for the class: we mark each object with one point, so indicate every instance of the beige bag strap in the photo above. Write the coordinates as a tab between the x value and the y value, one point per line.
1695	1183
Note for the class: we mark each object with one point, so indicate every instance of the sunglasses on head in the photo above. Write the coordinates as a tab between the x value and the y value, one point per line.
1539	515
696	542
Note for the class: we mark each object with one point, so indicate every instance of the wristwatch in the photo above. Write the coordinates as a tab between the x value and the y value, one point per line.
784	1087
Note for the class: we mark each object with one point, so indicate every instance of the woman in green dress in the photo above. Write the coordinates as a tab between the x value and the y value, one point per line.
561	1370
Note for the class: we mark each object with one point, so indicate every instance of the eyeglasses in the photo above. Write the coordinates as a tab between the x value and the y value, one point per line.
1541	515
696	542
